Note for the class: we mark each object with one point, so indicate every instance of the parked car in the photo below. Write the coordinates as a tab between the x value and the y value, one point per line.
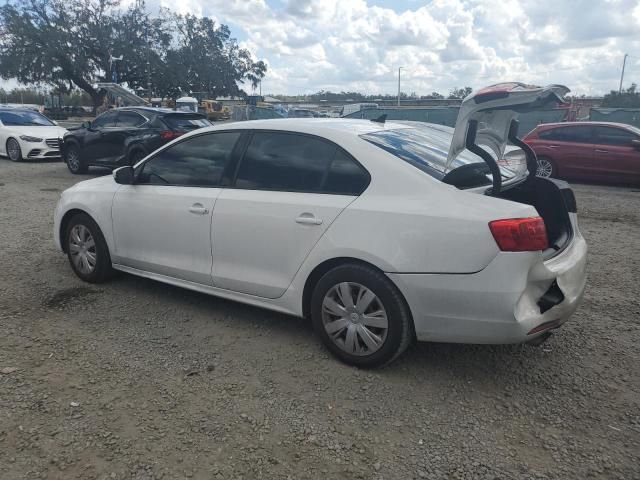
378	232
587	151
26	134
123	136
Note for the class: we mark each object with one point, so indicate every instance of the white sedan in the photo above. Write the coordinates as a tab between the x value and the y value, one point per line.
26	134
379	232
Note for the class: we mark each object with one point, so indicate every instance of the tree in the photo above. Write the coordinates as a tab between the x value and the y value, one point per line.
628	98
69	45
460	92
207	59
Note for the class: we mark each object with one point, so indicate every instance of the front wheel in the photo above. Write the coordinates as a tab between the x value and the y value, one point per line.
545	168
73	160
87	250
14	152
361	316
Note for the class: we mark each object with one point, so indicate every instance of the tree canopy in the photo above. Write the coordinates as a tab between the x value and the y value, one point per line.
629	98
69	45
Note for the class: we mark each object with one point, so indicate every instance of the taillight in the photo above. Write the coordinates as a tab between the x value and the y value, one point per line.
520	234
170	134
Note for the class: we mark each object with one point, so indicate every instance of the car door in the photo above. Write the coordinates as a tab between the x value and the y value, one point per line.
570	147
162	223
285	195
130	127
615	155
96	148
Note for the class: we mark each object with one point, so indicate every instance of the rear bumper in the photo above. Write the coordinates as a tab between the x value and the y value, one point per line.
500	304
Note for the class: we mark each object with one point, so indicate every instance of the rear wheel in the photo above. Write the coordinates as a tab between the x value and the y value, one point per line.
73	160
361	316
14	152
87	250
545	168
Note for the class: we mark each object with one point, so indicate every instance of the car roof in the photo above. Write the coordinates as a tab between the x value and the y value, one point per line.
583	124
314	126
17	109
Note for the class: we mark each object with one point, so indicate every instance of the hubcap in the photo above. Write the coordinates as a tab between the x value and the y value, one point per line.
13	149
82	247
354	318
72	159
544	168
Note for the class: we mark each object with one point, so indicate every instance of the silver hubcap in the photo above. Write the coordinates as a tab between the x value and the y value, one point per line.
544	168
72	159
13	149
83	249
354	318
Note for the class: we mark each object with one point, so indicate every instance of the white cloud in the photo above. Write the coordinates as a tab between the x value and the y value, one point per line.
354	45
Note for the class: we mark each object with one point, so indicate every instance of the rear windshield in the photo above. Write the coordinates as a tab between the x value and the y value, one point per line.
186	122
424	147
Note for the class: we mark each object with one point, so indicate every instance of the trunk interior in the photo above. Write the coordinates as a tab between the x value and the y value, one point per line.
554	200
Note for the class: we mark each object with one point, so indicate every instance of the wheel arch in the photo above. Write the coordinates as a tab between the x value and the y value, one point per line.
325	266
64	222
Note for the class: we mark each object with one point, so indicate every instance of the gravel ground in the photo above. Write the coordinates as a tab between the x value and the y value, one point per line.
139	380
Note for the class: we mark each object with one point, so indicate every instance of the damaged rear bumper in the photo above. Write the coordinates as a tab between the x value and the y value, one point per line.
516	298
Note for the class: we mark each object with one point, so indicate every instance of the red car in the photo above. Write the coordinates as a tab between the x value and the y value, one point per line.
587	151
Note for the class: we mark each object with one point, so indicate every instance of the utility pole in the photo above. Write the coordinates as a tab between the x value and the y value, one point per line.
624	62
399	68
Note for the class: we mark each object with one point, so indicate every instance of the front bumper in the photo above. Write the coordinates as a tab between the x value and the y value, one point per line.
499	304
49	148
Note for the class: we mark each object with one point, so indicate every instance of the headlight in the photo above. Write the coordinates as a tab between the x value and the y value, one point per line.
27	138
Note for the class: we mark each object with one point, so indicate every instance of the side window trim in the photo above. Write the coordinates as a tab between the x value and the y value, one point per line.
321	191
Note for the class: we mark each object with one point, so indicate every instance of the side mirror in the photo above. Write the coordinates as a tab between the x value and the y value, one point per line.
124	175
635	144
86	125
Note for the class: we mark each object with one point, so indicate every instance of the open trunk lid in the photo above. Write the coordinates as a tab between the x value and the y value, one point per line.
487	123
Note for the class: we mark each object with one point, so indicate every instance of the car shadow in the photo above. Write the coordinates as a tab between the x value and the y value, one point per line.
441	360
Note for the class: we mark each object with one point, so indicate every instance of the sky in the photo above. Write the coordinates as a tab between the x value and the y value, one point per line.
358	45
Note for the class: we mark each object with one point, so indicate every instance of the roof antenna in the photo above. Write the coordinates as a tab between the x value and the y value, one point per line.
381	119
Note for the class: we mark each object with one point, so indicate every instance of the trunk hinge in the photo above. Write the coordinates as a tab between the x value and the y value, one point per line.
470	143
532	160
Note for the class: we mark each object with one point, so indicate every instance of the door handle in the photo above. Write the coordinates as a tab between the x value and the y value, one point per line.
553	146
198	209
308	219
601	151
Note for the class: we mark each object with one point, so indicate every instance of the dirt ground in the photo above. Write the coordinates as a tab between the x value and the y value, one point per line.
134	379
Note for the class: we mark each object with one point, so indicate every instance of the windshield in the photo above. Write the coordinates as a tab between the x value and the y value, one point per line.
186	122
426	148
24	119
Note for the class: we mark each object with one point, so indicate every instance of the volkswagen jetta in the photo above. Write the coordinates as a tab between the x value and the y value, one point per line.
379	232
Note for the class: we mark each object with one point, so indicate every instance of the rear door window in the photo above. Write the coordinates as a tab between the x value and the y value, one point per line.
285	162
581	134
130	119
345	176
615	136
196	162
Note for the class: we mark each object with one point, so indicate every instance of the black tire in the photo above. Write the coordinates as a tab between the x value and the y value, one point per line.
399	333
136	156
546	168
102	270
14	152
74	161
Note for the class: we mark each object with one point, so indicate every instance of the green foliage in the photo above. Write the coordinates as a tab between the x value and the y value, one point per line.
629	98
460	92
68	45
